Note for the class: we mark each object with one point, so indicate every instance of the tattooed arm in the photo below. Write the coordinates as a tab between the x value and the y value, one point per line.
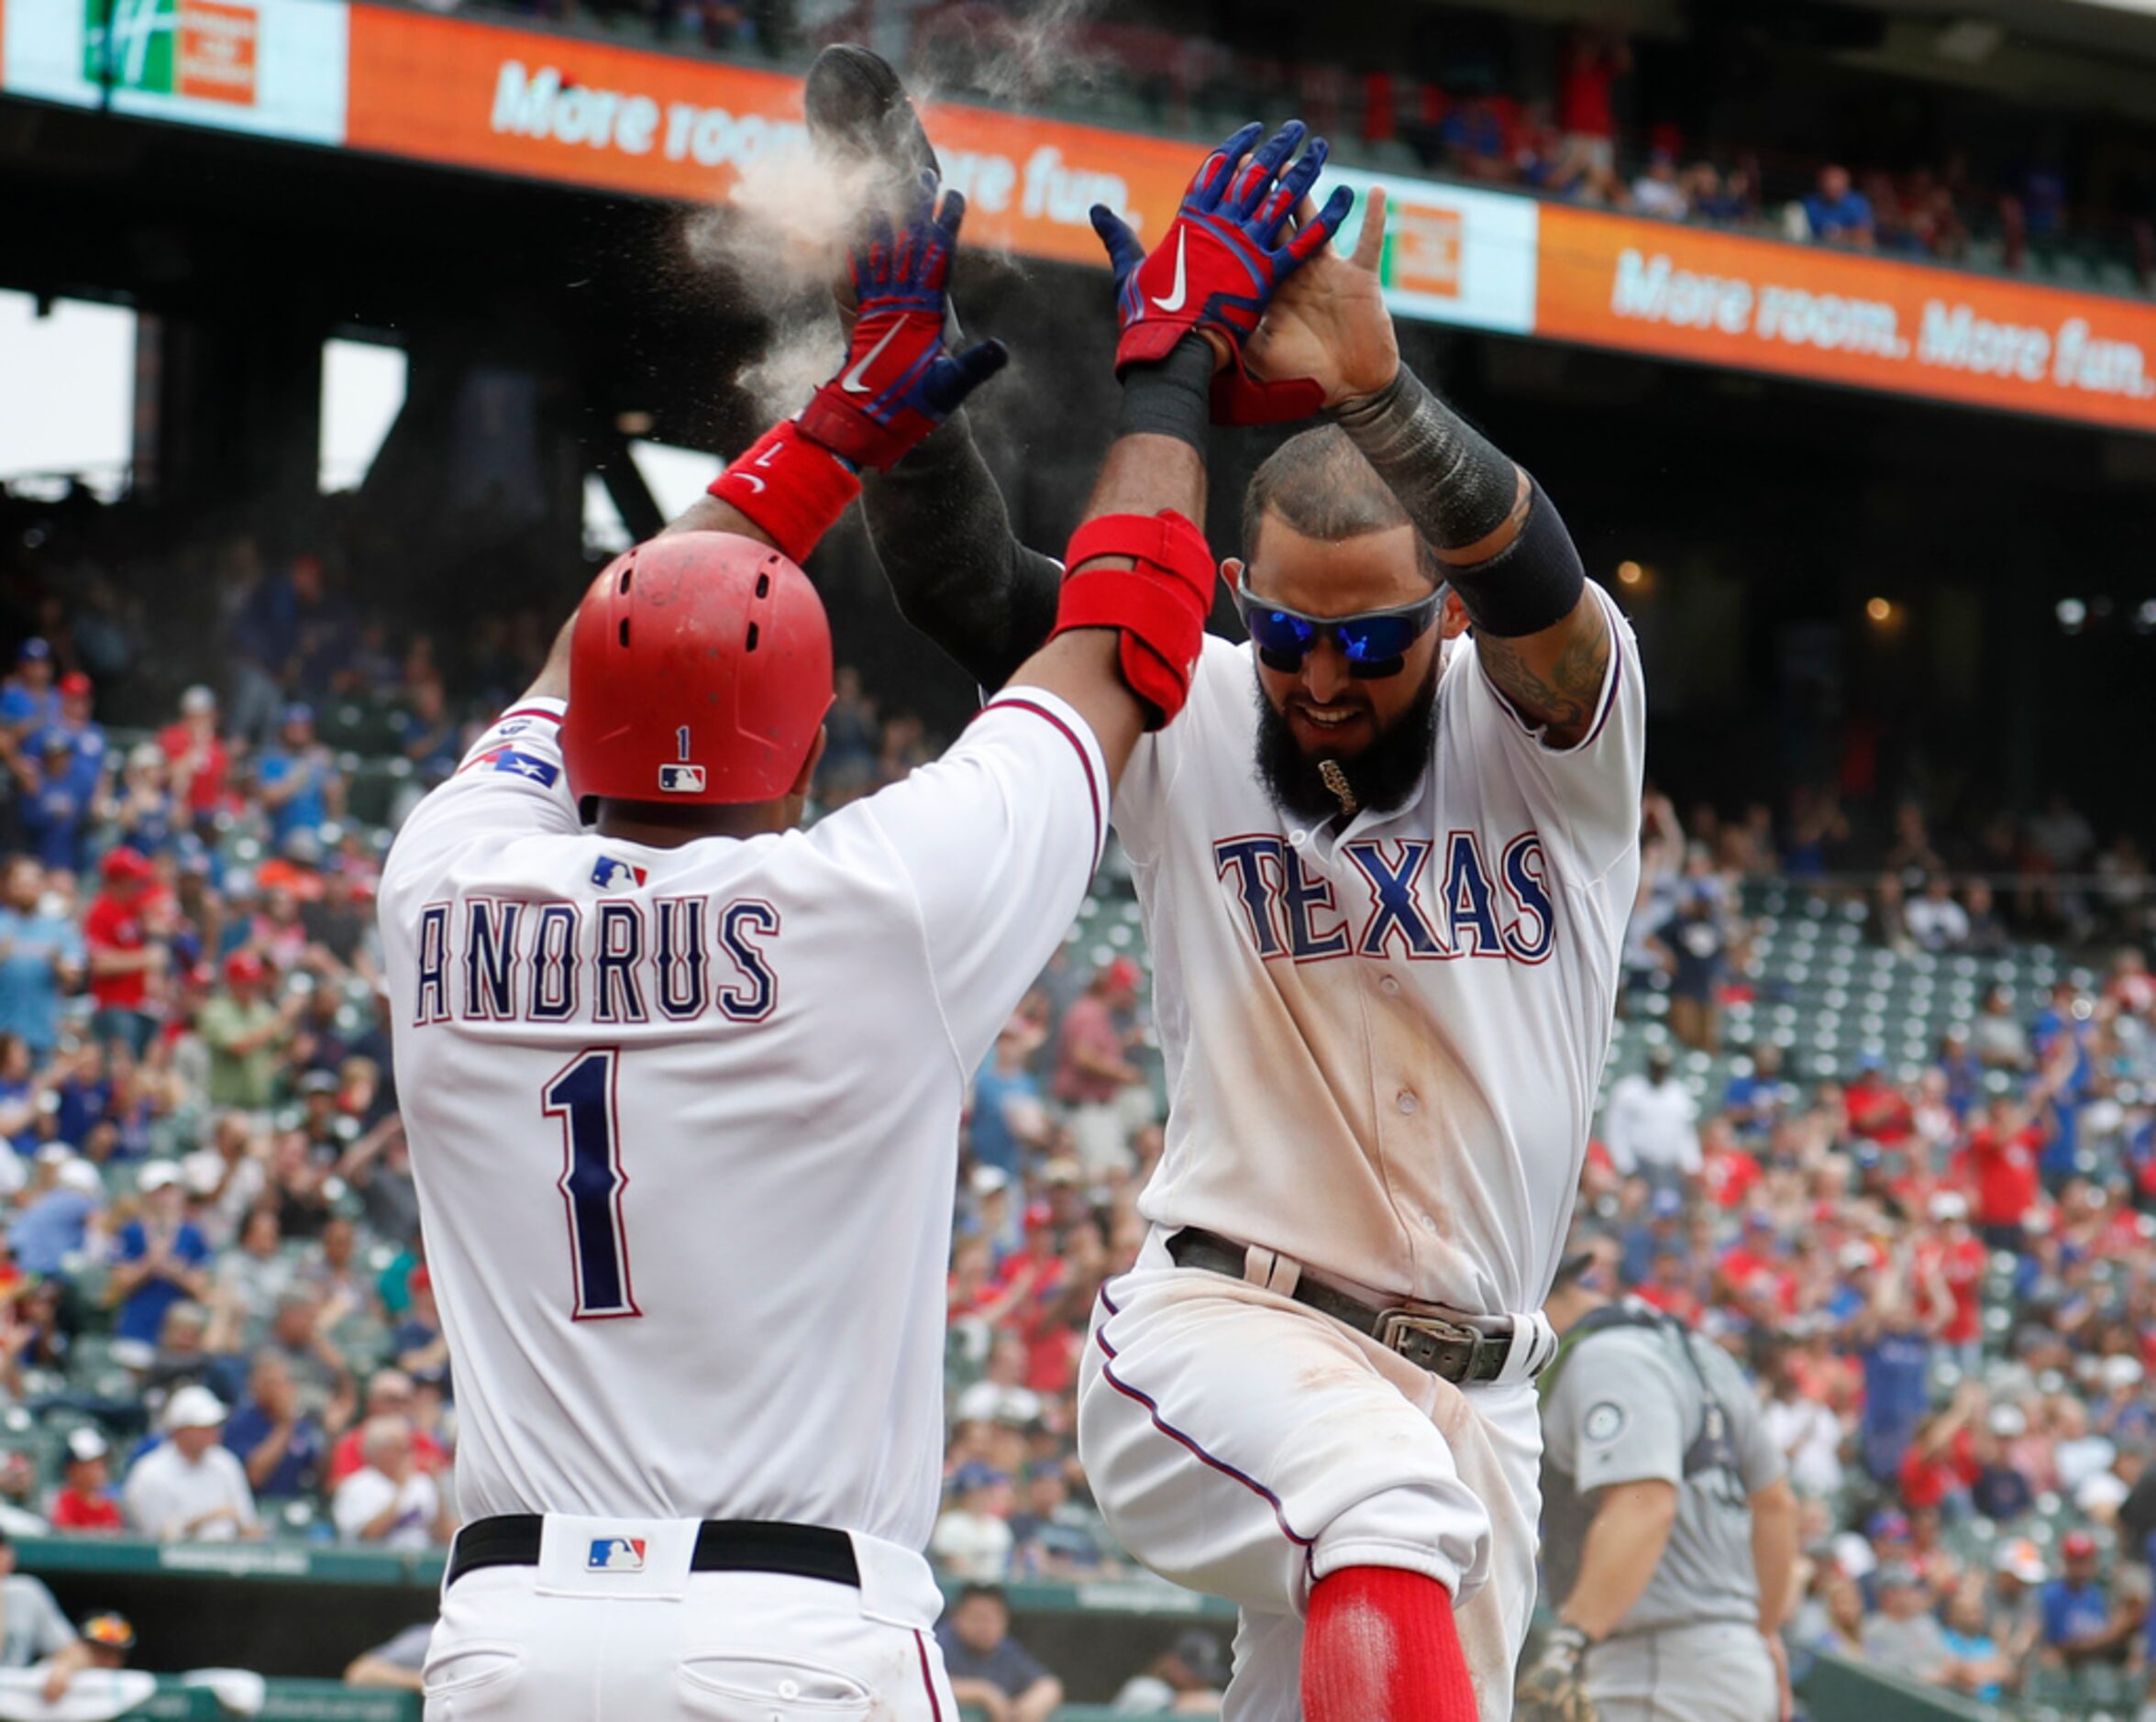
1542	636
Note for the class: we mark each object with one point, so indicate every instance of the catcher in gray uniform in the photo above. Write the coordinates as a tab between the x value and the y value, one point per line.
1669	1530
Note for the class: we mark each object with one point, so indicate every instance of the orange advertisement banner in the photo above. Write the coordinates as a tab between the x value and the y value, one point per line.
1831	316
555	107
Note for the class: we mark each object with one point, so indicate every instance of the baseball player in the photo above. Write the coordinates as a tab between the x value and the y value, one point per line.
1385	866
1669	1530
683	1084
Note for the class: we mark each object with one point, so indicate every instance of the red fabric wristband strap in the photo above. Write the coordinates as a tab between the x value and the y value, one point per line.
1158	607
793	488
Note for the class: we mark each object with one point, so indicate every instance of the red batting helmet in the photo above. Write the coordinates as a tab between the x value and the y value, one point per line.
700	671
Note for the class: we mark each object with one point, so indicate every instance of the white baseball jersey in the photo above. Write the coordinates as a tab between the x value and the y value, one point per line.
685	1121
1383	1043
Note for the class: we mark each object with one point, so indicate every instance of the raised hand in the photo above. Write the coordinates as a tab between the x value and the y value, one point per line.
898	383
1220	263
1329	323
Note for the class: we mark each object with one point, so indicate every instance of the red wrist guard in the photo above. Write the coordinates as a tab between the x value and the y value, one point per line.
1159	606
794	489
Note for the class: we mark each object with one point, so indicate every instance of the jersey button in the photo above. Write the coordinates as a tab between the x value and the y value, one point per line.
1388	985
1428	1224
1408	1102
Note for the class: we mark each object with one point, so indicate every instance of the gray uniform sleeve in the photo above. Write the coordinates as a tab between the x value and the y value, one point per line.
38	1617
1630	1414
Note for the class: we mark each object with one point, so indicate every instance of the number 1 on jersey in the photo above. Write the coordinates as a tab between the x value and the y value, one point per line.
582	1096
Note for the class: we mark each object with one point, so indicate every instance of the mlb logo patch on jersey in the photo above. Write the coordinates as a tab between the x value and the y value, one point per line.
526	766
615	1554
682	779
609	875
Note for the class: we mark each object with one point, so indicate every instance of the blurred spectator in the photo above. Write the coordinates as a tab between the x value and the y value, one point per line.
1657	191
124	955
1693	947
85	1502
389	1502
972	1539
2083	1622
1903	1636
1837	213
1650	1126
1189	1678
989	1669
389	1394
1594	60
1009	1116
161	1256
1935	920
33	1631
299	781
53	1228
244	1030
279	1442
397	1665
197	757
27	700
41	956
189	1487
1094	1075
1976	1662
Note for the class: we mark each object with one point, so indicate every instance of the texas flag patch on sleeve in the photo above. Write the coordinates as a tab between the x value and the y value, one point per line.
529	767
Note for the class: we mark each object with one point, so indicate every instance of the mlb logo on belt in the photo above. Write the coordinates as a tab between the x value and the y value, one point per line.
615	1554
682	779
611	875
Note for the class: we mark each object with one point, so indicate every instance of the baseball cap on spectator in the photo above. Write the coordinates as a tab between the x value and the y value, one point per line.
2023	1560
155	1175
1665	1204
244	969
1200	1652
55	1153
125	865
987	1402
85	1445
1062	1170
1121	974
298	711
202	1171
419	1279
198	698
76	685
973	1475
988	1180
1854	1255
193	1406
1039	1216
2077	1545
2120	1373
82	1177
110	1631
2008	1421
1887	1526
1854	1555
1898	1576
318	1082
31	648
1948	1204
2101	1495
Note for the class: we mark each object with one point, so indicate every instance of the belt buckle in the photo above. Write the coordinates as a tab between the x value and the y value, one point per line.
1428	1341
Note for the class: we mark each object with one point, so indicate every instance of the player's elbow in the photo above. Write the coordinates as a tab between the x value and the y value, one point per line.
1649	1507
1776	1500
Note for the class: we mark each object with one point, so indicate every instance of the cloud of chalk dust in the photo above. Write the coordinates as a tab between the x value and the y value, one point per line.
777	245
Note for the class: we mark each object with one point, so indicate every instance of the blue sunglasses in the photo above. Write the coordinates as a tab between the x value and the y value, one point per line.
1374	642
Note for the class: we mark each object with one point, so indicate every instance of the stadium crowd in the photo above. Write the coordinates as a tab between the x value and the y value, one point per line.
215	1319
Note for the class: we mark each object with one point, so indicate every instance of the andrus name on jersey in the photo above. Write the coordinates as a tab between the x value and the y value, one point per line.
1506	912
675	959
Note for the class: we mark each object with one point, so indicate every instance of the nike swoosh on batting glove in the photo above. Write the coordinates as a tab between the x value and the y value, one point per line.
1221	261
898	383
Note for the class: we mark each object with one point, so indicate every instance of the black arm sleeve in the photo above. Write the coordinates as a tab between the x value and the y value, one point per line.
1459	487
940	530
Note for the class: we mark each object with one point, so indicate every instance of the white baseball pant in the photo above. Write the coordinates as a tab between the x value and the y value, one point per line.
1242	1444
549	1644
